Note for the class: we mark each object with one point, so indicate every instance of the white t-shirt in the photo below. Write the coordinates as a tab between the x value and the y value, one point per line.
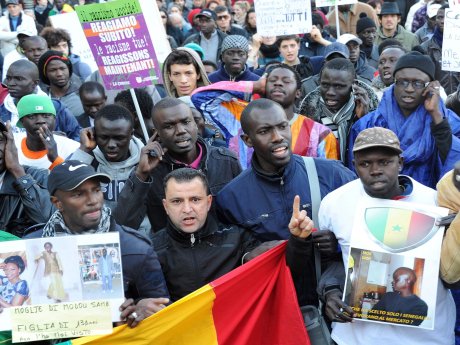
65	147
336	213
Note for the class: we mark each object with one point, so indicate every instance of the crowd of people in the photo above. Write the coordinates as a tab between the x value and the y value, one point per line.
220	177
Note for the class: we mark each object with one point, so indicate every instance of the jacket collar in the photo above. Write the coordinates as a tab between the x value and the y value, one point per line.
279	177
192	239
204	159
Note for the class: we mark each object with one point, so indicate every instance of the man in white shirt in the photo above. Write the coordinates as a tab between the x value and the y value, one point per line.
378	161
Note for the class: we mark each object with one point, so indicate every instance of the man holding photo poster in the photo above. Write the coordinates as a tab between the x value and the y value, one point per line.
378	161
75	190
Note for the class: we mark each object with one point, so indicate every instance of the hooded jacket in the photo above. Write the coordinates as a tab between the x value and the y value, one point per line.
169	86
363	69
118	171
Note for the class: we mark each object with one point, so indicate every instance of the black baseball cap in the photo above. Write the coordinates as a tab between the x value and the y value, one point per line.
207	13
71	174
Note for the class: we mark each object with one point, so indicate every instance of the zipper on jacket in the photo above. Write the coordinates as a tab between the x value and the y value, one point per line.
192	240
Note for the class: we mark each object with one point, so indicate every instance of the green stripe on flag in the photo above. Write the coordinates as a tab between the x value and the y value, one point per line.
376	220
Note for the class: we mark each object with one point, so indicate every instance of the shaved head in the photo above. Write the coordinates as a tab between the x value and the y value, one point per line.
26	66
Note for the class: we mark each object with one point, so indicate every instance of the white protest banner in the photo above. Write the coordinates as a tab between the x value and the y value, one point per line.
451	41
324	3
70	23
454	4
61	270
283	17
393	263
120	34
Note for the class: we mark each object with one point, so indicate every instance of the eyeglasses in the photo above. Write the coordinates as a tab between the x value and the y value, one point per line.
222	17
416	84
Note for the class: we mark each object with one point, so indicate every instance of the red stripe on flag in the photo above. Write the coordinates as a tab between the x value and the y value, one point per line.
420	225
257	304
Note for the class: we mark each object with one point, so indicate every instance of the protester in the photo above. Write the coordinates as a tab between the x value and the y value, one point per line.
234	56
339	100
289	47
183	72
181	147
23	194
224	22
376	182
387	63
357	57
19	52
93	99
389	19
34	47
142	275
209	37
38	146
21	80
427	30
412	108
55	71
366	31
222	104
14	20
433	47
315	42
59	40
125	99
274	177
250	24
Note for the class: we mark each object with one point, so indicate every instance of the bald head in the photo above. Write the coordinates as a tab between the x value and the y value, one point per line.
247	116
404	280
21	78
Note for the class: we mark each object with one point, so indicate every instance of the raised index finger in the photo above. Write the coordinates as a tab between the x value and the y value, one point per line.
296	206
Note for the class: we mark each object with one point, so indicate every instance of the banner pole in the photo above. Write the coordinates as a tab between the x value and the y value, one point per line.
139	114
337	25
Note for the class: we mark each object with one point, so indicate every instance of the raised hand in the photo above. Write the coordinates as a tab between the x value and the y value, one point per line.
87	140
151	155
300	225
48	141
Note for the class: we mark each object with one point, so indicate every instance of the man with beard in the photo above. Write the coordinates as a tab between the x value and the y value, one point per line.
234	56
221	104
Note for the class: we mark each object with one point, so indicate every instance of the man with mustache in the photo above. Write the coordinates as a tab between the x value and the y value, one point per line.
412	108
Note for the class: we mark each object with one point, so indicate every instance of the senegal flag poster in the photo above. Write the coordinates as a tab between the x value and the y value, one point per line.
393	264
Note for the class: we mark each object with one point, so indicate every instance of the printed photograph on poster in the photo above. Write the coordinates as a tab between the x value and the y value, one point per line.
387	288
60	270
100	268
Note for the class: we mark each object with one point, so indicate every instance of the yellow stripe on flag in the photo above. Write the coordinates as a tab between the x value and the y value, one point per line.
397	228
188	321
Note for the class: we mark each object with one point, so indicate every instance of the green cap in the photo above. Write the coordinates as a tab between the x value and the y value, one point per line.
34	104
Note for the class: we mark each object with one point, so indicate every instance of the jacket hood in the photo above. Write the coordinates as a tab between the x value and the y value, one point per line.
169	86
120	170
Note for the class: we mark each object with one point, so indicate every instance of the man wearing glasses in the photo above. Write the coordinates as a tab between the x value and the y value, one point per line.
412	108
224	22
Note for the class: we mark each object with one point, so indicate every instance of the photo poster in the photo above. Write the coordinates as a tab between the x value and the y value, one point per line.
58	270
451	40
393	263
120	39
69	22
283	17
325	3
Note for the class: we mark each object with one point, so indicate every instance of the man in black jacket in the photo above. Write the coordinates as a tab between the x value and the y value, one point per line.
194	249
180	147
75	190
24	199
